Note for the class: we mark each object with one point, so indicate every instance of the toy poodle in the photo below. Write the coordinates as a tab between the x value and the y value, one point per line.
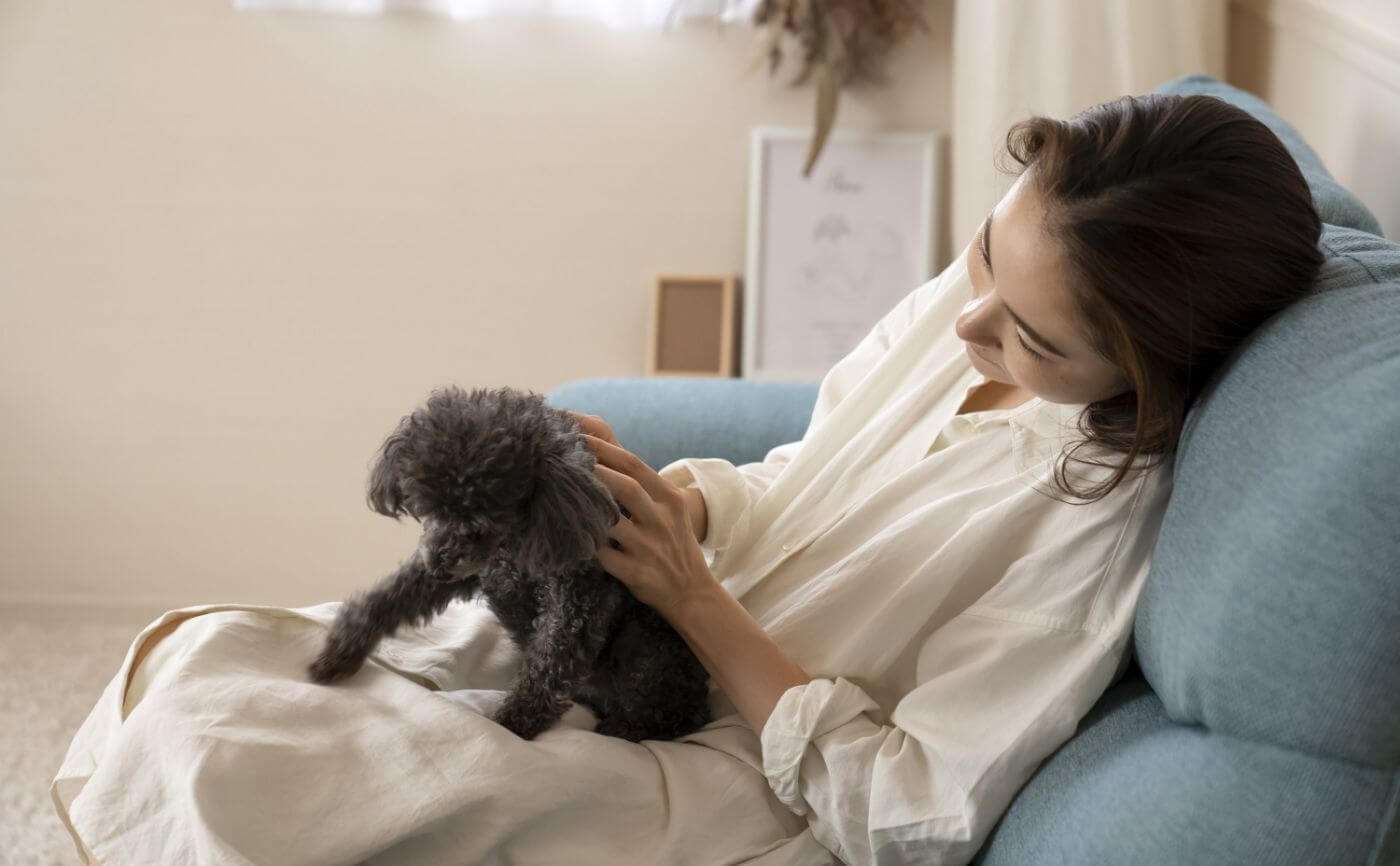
511	508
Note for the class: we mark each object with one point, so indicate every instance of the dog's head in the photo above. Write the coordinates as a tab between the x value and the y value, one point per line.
496	471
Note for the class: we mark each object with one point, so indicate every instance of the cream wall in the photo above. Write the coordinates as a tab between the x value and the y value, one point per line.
235	248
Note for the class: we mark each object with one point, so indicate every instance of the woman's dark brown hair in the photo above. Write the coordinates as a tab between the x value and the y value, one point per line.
1185	224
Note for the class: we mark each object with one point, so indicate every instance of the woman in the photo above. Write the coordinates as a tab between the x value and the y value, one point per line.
903	613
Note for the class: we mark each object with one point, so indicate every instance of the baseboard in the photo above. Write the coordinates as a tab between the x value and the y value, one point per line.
81	606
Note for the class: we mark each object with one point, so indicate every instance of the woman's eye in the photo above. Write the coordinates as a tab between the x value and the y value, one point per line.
982	254
1029	351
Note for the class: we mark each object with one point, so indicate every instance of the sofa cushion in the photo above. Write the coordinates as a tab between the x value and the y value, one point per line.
1272	610
1134	788
1334	203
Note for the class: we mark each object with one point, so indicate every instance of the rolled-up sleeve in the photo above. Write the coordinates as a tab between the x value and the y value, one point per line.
996	697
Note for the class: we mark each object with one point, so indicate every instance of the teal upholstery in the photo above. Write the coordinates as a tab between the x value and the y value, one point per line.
1260	720
1276	578
664	418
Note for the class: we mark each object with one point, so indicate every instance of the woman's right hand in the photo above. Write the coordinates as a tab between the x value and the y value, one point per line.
595	426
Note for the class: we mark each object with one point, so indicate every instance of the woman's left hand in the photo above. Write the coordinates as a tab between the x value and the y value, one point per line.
659	559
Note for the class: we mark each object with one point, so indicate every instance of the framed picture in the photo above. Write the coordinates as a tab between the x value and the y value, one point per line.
694	327
830	254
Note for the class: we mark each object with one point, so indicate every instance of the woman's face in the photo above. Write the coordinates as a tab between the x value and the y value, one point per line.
1027	279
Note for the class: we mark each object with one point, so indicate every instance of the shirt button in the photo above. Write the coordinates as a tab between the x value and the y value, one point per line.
787	545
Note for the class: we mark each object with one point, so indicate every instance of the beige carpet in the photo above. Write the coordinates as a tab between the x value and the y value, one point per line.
54	664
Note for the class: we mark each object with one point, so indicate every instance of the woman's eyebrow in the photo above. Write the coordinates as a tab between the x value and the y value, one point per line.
987	242
987	251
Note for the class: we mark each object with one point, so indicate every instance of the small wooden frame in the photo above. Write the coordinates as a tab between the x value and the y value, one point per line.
694	327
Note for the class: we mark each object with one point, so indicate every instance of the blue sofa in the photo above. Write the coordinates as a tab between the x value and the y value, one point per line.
1260	719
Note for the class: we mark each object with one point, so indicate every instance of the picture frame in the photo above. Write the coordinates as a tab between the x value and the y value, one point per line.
830	254
694	327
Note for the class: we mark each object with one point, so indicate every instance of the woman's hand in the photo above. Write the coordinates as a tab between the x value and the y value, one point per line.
595	426
696	512
652	548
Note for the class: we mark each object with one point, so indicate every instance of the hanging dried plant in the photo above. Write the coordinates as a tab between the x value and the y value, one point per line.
842	41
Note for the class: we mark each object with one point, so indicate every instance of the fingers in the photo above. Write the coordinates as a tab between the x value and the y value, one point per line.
624	461
630	495
585	422
594	426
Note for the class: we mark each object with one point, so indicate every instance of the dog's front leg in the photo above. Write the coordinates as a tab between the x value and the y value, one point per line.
410	595
570	632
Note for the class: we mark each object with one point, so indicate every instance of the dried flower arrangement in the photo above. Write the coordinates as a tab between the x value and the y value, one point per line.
843	40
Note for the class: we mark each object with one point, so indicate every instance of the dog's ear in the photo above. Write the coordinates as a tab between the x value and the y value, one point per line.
385	493
569	514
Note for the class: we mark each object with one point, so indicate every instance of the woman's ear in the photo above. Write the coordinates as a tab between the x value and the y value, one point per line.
568	516
1126	382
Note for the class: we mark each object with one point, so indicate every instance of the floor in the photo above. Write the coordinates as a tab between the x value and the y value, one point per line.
55	663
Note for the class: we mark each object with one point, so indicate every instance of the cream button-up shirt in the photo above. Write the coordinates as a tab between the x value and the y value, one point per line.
956	619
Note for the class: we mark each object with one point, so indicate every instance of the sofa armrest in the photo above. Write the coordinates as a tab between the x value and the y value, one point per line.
664	418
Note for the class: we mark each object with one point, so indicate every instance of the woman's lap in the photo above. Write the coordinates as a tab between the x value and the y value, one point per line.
228	753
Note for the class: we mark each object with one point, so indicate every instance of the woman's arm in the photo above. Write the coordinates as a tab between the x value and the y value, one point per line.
745	662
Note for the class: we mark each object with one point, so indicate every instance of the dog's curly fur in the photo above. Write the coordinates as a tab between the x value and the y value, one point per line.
511	508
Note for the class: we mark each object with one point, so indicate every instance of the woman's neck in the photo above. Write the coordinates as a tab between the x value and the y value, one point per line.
994	395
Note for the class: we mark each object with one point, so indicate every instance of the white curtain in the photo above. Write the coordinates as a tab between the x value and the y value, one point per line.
1015	58
619	14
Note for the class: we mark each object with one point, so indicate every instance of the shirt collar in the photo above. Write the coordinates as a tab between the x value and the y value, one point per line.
1039	429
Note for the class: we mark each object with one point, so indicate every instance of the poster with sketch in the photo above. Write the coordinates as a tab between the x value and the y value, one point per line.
830	254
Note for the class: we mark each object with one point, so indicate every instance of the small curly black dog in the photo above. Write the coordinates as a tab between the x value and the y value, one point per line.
511	509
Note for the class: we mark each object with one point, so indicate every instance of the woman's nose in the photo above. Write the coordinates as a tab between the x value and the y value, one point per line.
975	324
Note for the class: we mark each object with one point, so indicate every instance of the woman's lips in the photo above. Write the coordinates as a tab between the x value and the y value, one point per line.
973	349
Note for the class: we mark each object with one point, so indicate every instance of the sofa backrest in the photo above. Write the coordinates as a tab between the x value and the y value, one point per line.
1272	610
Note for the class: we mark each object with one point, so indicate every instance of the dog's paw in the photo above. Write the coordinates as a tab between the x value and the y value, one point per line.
332	666
520	720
